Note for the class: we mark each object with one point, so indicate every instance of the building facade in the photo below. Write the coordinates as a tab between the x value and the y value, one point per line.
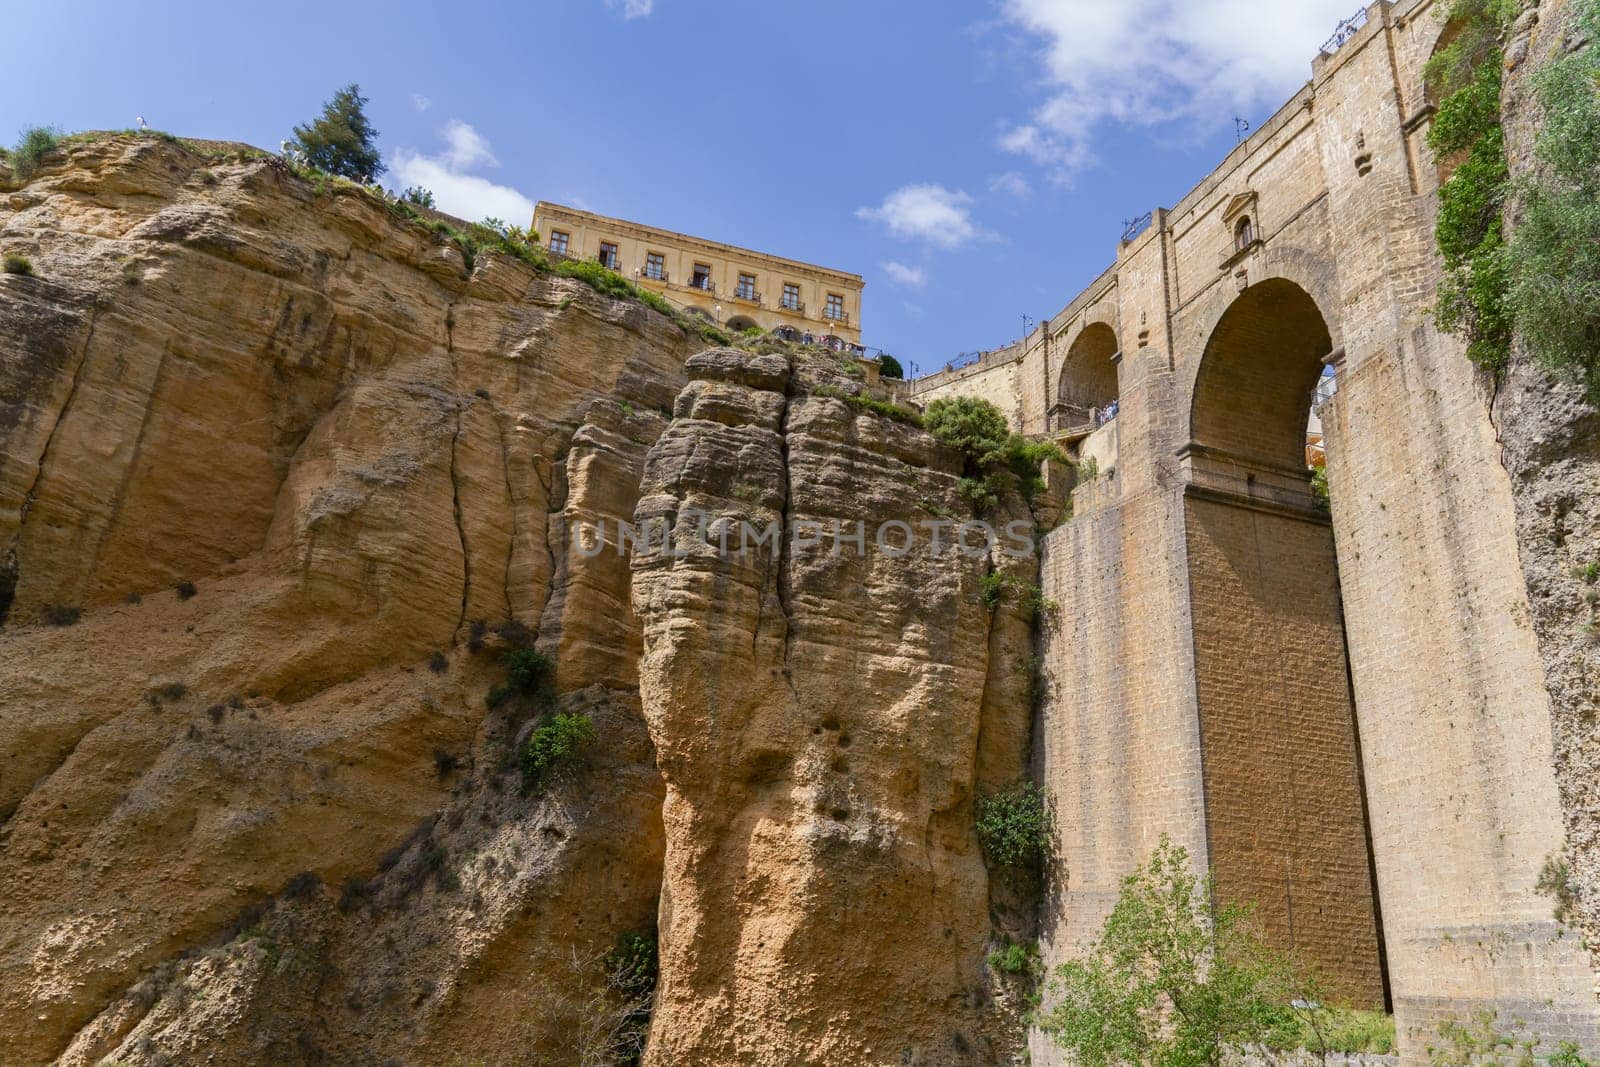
737	288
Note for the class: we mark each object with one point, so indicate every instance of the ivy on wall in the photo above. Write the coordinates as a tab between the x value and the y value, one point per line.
1464	76
1543	284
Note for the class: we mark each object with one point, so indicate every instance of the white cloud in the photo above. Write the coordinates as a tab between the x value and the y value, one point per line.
910	277
467	195
927	212
1148	62
633	9
1011	183
467	148
420	102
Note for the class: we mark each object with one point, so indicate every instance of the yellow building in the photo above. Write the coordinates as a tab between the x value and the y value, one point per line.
735	287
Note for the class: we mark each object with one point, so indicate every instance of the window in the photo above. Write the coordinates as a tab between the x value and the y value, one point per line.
1244	234
558	242
609	257
791	297
747	288
655	266
835	308
701	279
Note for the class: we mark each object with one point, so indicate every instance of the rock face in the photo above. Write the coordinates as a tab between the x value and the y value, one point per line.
1550	437
281	476
353	447
819	715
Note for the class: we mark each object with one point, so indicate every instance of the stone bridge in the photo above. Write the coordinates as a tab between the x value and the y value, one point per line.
1344	717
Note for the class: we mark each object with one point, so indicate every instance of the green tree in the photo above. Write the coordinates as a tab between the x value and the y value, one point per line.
889	367
342	141
1169	982
416	194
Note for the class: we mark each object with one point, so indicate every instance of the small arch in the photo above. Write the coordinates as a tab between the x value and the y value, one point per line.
1087	389
1244	234
741	323
786	333
700	312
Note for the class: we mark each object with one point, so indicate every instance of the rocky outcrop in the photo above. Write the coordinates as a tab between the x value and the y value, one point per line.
282	474
1550	445
280	449
820	717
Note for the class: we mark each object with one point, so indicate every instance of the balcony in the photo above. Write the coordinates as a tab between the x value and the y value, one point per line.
609	263
795	306
747	294
705	285
837	315
654	274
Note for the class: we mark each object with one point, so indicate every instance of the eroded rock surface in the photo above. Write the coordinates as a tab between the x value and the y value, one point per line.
818	715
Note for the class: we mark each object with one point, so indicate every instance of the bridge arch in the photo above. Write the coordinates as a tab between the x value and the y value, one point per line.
1088	379
1256	376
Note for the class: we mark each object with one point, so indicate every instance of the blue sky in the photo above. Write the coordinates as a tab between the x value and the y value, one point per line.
971	160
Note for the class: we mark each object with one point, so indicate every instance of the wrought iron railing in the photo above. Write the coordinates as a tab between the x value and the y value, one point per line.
746	293
792	305
836	315
705	285
1134	227
656	274
1344	31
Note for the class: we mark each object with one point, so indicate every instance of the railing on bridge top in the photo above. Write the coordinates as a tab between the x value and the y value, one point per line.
1134	227
1344	31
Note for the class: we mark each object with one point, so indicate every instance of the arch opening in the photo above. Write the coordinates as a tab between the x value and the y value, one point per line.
1284	794
1086	393
1260	368
740	323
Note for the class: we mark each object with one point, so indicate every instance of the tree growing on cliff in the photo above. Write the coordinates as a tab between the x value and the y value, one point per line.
342	141
1170	982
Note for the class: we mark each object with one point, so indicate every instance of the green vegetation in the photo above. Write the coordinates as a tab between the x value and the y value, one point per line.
1319	488
342	142
17	263
1168	981
1014	828
555	742
1555	882
1465	77
889	367
867	403
1016	958
1323	1029
977	429
418	196
996	585
631	969
1553	258
30	148
1479	1042
529	673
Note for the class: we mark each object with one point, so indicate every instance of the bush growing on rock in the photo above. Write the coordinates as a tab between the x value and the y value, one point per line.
978	429
30	148
16	263
555	742
1014	828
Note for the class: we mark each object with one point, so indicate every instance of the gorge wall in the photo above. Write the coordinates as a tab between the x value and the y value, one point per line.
281	475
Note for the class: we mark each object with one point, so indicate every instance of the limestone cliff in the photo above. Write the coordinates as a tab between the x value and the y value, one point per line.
1550	445
280	474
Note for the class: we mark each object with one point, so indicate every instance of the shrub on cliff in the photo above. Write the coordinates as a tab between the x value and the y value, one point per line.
529	673
979	431
1169	980
342	141
416	194
1553	258
30	148
889	367
16	263
555	742
1014	828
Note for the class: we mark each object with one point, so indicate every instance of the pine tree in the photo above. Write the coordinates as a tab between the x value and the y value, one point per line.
342	141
